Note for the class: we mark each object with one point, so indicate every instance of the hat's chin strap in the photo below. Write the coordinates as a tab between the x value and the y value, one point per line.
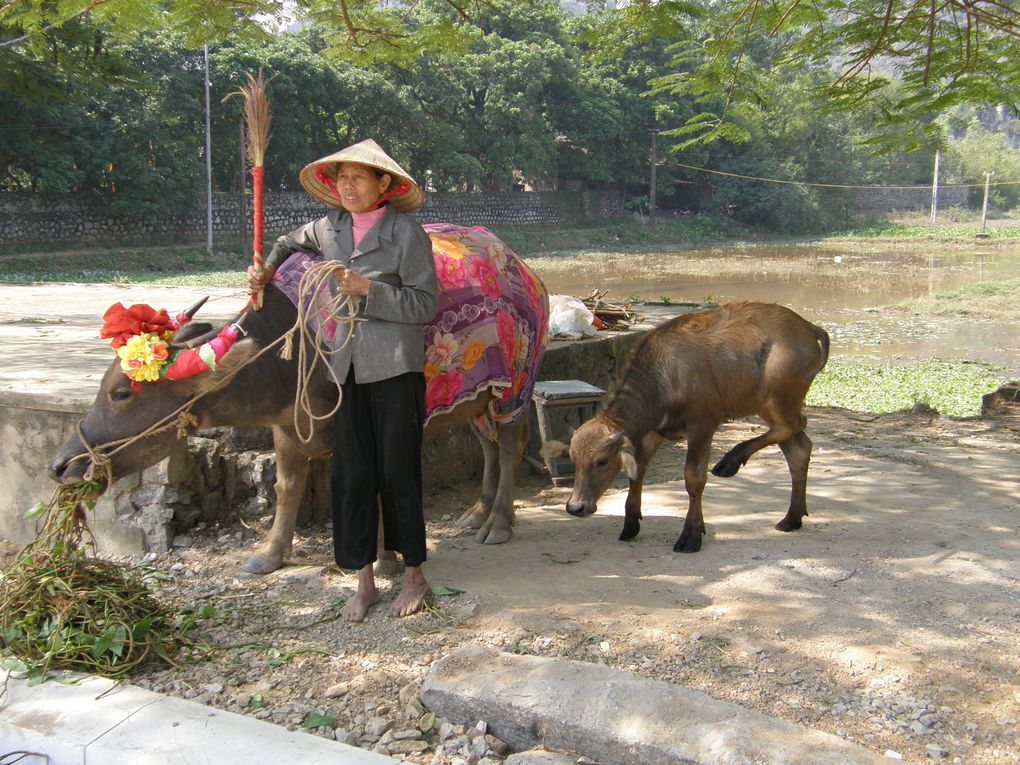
320	175
402	188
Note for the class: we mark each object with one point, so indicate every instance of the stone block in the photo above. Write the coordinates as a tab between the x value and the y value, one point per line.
614	716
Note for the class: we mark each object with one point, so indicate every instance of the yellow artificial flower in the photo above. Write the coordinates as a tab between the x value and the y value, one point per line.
143	356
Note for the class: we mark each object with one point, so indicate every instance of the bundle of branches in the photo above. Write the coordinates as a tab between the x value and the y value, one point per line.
61	608
613	315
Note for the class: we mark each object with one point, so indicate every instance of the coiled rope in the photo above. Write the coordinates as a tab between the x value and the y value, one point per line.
339	310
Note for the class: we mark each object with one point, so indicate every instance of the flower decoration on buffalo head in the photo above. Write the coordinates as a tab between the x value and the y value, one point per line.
141	337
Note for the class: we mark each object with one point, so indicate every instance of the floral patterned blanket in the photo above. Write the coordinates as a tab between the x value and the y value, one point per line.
490	327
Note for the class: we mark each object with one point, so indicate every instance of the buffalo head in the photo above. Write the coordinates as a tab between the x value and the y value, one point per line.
124	410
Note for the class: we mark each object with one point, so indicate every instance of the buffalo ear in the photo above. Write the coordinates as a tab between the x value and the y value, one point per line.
628	460
554	449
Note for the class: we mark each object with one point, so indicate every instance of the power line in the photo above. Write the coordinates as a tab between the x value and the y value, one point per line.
833	185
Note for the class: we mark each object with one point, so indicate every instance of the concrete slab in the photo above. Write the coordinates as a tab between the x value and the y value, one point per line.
49	333
613	716
98	722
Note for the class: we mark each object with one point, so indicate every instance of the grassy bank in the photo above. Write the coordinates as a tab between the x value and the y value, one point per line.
952	388
192	264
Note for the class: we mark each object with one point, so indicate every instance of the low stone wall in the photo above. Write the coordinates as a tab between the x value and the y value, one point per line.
222	473
29	218
898	198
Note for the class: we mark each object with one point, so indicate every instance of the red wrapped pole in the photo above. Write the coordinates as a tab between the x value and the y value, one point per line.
257	120
257	174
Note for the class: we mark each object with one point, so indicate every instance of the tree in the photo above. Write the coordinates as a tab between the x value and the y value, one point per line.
937	54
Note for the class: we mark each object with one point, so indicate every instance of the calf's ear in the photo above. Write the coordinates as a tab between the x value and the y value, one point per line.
554	449
627	459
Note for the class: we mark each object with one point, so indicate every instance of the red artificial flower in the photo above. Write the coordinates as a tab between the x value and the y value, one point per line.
120	323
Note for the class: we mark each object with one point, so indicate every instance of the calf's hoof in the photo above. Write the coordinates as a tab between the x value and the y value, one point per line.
789	524
688	542
728	465
630	529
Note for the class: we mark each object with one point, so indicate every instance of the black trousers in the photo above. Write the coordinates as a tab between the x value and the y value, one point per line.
377	437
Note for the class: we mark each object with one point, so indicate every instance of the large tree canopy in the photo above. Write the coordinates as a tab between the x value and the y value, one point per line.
905	61
482	94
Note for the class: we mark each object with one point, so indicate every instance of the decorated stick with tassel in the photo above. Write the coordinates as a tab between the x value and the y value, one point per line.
257	120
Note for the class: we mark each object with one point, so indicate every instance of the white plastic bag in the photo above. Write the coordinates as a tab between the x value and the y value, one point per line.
570	318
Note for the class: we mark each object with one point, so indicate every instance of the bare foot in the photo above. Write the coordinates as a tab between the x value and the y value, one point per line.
366	596
412	593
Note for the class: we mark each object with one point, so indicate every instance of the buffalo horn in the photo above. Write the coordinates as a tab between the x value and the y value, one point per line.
190	313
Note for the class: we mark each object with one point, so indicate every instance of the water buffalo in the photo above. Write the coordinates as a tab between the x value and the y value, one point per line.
505	355
683	380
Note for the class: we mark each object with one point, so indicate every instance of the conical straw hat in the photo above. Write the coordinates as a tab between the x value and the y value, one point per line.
368	152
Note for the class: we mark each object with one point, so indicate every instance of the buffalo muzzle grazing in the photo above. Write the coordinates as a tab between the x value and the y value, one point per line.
683	380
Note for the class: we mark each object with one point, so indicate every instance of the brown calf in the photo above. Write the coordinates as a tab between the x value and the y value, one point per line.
683	380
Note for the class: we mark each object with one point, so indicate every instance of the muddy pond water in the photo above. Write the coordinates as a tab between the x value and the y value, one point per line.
847	290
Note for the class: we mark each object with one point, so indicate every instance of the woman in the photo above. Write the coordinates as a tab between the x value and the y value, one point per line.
385	260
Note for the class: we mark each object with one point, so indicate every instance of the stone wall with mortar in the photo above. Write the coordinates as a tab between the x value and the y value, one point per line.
33	218
880	199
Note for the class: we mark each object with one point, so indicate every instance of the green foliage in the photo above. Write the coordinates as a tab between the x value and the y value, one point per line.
318	720
63	609
954	389
936	57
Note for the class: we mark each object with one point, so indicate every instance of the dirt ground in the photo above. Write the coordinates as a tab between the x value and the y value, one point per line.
890	619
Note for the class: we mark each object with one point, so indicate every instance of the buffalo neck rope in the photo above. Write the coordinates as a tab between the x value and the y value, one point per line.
341	308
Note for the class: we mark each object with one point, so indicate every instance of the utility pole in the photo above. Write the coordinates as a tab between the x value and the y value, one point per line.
208	160
651	190
984	207
935	189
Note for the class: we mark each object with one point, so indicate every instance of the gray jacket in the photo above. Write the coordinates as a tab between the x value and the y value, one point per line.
396	256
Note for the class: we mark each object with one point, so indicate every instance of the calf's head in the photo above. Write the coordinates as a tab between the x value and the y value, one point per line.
598	452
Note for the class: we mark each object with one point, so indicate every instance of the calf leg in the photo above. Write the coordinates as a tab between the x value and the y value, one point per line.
644	452
797	451
699	446
291	475
498	528
783	423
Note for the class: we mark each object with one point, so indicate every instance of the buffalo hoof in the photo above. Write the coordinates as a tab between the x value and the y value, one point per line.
728	465
386	564
264	562
789	524
493	536
688	542
630	529
473	518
